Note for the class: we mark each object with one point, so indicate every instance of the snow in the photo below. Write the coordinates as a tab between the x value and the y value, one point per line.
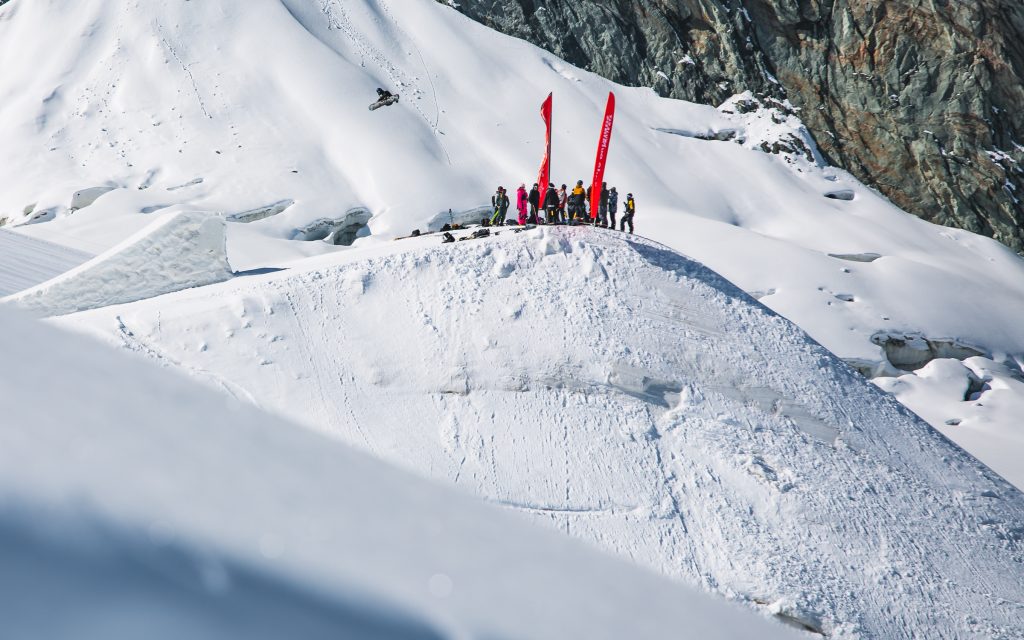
186	104
144	505
177	251
256	112
971	402
25	261
629	397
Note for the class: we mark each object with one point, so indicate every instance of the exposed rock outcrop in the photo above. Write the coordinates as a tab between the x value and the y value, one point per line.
918	98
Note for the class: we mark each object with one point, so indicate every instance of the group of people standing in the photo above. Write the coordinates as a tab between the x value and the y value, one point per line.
564	206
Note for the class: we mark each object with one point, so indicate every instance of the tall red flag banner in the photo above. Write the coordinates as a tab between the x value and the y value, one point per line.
545	166
602	154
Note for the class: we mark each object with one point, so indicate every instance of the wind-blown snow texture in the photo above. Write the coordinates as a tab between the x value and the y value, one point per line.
632	398
237	106
142	505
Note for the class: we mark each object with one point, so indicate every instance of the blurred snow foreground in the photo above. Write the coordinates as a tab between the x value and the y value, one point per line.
629	396
139	504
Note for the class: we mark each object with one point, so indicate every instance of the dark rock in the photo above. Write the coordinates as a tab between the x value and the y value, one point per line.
918	98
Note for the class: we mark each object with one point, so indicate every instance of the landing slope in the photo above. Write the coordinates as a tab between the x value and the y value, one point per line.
630	397
142	505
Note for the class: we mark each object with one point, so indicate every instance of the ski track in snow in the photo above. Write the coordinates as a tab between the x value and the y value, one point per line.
696	433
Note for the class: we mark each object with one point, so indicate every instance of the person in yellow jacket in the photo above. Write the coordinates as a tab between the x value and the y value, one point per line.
577	206
627	215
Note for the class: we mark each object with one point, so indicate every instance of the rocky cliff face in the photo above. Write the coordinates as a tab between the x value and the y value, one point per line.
923	99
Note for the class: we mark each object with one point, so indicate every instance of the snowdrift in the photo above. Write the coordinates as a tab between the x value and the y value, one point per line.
143	505
629	397
178	251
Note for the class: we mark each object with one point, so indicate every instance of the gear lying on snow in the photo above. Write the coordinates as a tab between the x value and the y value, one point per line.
629	397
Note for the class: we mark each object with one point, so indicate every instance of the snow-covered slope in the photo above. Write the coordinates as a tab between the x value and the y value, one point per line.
29	261
141	505
259	108
630	397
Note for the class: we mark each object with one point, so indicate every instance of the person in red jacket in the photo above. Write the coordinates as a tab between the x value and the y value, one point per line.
521	201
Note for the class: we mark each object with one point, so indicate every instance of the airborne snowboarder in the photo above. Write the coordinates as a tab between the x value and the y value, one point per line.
384	99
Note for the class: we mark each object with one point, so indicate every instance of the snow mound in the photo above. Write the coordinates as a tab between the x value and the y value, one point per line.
26	261
178	251
142	505
629	397
281	137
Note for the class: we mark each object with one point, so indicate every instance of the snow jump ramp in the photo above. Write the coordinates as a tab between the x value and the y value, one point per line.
179	251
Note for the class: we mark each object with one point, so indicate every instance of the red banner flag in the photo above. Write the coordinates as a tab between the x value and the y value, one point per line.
545	166
602	154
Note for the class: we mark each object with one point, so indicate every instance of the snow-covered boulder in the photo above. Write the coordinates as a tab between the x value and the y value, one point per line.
178	251
85	197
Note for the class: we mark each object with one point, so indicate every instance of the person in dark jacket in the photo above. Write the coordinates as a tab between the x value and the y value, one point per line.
534	201
613	206
628	213
602	211
499	203
551	203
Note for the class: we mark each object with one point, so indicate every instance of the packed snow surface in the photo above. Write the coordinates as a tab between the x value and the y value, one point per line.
177	251
255	108
25	261
142	505
630	397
